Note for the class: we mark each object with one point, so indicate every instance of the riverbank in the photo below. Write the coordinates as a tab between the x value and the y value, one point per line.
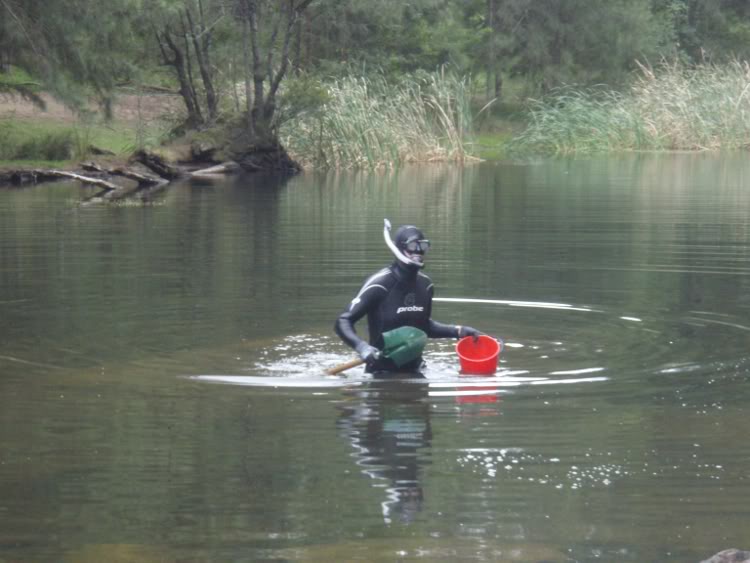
56	136
358	122
115	156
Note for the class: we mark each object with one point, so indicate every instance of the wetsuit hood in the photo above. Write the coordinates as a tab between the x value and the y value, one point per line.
408	245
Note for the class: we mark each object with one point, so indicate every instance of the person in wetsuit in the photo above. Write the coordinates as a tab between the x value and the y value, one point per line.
398	295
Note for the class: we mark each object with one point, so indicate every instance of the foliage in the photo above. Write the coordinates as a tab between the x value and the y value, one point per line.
708	29
15	81
548	42
373	122
67	52
671	107
397	37
302	94
552	42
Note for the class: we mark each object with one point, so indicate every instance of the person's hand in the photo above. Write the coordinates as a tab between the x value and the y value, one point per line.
464	331
367	353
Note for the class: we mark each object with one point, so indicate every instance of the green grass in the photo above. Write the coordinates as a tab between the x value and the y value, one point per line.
50	141
495	126
491	145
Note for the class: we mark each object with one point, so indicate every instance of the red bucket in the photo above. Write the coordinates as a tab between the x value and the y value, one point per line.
480	357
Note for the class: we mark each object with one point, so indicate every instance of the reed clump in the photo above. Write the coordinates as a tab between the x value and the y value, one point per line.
670	107
371	122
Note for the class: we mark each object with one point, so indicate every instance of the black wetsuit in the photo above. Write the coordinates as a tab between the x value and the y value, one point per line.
395	296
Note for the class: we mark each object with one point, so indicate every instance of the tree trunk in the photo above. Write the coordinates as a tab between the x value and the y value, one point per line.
258	146
259	75
248	74
189	69
202	46
177	61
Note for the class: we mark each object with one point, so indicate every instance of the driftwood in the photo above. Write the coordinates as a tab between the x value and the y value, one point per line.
145	185
142	179
43	175
219	169
157	164
109	192
145	181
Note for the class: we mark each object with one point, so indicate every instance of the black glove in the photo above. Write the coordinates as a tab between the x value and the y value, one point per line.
464	331
366	352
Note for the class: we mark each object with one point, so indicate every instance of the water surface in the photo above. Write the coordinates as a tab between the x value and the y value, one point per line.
615	429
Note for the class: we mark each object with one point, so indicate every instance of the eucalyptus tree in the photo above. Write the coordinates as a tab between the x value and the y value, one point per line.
268	28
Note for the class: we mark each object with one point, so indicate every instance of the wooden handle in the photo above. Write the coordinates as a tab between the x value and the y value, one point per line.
342	367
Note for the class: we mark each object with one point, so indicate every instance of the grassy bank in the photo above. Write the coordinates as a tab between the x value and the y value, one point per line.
46	132
51	141
672	107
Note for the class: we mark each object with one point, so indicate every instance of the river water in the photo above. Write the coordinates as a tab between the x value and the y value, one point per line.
616	428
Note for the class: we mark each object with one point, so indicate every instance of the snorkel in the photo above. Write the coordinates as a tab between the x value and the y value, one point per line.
400	256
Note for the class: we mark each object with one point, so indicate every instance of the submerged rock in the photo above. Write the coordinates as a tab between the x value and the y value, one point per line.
729	556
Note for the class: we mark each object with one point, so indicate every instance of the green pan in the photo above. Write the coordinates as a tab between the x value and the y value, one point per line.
402	345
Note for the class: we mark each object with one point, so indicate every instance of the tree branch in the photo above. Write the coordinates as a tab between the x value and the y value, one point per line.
202	50
32	42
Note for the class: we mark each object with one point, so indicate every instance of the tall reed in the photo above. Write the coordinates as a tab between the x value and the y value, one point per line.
370	122
670	107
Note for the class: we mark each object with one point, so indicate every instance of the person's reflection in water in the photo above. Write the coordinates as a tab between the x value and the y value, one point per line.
388	424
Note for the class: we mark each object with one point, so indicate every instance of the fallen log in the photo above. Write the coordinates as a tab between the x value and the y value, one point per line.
43	175
224	168
157	164
142	179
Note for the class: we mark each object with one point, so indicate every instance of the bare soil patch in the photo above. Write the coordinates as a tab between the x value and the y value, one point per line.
127	108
